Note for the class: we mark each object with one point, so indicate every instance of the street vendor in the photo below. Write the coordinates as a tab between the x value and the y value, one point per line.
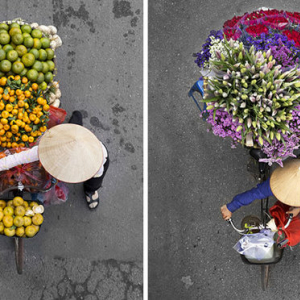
284	185
70	153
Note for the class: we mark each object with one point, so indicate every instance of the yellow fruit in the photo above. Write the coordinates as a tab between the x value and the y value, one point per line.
37	219
30	231
19	221
20	211
8	221
27	221
1	227
33	203
8	211
9	231
37	228
25	204
1	215
9	203
20	231
2	203
18	201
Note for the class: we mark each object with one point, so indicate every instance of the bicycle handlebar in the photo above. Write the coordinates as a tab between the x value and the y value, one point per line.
243	231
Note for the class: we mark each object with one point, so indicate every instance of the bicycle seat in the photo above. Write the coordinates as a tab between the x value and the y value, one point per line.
257	154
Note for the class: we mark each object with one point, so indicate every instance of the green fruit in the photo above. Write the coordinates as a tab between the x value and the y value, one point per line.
40	78
51	65
37	66
12	55
5	65
8	47
14	30
4	38
48	77
42	54
37	43
43	85
36	33
17	67
2	54
26	28
16	25
24	72
35	52
28	59
45	42
50	53
4	26
45	67
17	38
28	42
21	49
32	75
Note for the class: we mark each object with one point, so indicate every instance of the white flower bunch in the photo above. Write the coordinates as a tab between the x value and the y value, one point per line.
217	48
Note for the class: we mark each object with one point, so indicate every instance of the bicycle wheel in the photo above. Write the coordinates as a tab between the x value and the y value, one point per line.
264	276
19	253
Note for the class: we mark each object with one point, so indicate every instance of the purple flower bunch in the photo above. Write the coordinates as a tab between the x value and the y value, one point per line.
223	125
204	55
279	150
283	50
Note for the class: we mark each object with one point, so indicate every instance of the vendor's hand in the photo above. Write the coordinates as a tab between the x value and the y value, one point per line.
294	210
226	213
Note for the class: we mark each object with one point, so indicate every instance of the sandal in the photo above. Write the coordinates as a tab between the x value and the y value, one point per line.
92	199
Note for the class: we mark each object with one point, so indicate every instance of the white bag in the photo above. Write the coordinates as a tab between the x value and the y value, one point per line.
256	246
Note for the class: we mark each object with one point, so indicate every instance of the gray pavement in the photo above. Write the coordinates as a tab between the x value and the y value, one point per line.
83	254
192	172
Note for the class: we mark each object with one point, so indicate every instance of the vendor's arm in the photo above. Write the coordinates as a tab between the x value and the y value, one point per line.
16	159
262	191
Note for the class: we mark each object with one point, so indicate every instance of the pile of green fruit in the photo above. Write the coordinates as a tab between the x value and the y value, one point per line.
26	51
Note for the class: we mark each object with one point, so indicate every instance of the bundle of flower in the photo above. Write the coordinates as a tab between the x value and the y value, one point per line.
252	81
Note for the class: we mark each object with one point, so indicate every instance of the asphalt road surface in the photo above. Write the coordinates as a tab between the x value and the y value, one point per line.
192	172
83	254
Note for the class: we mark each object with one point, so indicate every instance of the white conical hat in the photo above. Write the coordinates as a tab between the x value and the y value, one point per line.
285	182
70	153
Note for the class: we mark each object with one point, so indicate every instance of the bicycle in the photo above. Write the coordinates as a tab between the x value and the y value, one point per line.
251	223
19	191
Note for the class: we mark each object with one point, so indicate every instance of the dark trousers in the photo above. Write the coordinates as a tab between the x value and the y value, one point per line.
94	183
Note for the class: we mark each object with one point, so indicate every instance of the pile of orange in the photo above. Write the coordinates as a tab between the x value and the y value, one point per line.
17	218
24	112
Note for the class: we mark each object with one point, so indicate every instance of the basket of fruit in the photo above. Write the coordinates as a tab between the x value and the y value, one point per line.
20	218
27	86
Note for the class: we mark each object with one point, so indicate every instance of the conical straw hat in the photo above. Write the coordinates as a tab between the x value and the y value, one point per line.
70	153
285	183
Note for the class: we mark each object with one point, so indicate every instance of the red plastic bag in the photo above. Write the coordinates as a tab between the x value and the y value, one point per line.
32	174
56	195
56	116
278	212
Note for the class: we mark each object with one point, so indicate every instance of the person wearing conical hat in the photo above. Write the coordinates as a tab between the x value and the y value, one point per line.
284	185
70	153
